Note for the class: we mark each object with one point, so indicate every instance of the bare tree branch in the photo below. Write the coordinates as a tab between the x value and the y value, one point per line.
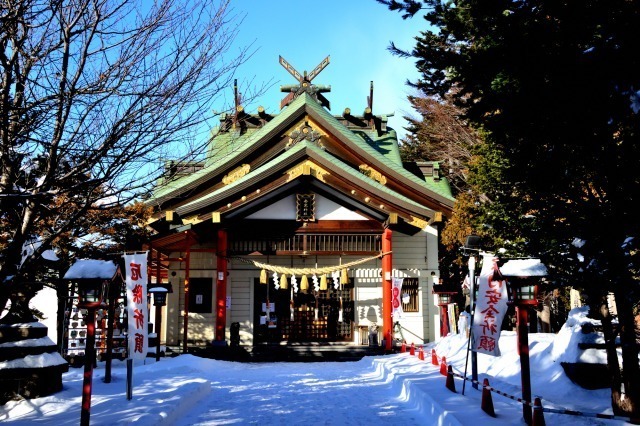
93	95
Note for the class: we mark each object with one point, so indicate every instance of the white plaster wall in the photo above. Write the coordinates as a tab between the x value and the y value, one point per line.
285	209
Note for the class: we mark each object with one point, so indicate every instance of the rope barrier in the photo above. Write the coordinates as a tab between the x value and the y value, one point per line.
544	409
307	271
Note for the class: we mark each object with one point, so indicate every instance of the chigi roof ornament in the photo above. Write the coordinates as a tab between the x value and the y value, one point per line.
304	84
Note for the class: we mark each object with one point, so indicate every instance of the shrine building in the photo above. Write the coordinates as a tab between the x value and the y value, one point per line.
295	228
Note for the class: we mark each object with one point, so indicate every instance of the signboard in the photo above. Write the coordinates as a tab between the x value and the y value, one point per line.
136	281
491	308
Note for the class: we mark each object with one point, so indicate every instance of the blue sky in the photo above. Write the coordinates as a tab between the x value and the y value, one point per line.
354	33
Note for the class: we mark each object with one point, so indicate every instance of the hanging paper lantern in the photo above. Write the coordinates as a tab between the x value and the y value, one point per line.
283	282
263	276
344	276
323	282
304	284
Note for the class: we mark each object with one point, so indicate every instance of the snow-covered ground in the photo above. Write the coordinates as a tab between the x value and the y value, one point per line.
394	389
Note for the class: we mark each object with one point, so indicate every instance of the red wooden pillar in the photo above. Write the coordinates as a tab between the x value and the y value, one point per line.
186	297
444	320
387	265
221	286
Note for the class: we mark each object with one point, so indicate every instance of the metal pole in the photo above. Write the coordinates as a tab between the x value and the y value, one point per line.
90	354
474	354
129	379
472	308
523	350
158	329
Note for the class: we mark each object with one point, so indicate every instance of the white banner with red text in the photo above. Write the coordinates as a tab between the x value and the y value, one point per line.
491	307
136	280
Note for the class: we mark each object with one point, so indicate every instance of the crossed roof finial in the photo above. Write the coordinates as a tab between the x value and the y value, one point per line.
304	84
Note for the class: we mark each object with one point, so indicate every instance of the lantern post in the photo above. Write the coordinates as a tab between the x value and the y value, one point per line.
159	293
522	276
445	297
93	278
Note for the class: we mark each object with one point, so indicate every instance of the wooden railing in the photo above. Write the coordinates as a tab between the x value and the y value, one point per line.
311	244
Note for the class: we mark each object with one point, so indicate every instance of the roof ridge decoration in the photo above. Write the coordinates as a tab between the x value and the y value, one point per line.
307	168
305	131
236	174
304	84
369	171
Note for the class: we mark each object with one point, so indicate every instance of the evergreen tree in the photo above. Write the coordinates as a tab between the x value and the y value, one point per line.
555	86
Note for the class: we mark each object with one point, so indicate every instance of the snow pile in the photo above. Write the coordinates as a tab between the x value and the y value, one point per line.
565	347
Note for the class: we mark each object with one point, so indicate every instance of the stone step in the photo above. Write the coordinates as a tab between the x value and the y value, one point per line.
289	353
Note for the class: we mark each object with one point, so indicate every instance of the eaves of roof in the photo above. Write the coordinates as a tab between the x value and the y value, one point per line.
290	158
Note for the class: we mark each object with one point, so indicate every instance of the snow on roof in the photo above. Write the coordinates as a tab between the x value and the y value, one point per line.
34	361
91	268
42	341
523	268
25	325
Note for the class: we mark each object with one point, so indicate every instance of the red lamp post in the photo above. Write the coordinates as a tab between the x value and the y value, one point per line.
93	278
522	276
444	298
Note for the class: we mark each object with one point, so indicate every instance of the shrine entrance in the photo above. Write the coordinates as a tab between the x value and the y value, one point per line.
277	319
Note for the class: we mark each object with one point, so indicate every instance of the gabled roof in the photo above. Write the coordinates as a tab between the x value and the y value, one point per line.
343	153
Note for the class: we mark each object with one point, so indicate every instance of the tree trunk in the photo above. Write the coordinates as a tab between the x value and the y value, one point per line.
612	355
629	402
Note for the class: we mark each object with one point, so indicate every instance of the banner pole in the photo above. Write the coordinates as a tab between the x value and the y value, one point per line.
129	379
472	267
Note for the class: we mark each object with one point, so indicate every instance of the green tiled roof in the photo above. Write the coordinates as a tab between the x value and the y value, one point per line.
226	147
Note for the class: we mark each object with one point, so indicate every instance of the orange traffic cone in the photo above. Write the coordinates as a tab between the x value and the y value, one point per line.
412	350
487	402
443	366
434	357
450	383
538	417
403	349
421	353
